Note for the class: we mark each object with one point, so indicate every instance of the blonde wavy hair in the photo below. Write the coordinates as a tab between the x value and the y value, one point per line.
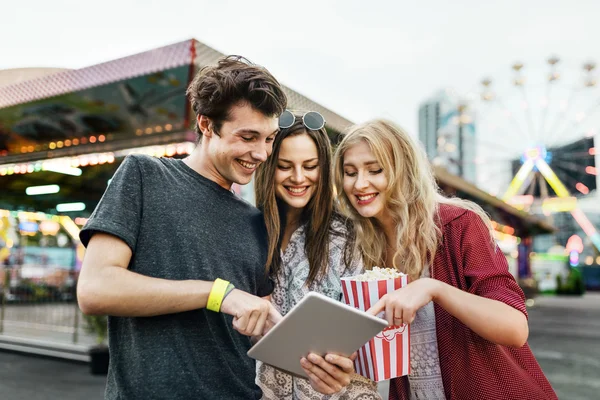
412	198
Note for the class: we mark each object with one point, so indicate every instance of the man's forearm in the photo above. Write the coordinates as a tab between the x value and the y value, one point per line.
117	291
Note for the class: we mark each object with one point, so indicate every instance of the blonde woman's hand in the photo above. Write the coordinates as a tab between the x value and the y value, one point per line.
401	306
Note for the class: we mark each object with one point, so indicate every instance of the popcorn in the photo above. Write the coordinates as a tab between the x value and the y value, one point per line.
378	274
387	355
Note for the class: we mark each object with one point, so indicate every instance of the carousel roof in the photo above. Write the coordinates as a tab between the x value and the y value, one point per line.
130	101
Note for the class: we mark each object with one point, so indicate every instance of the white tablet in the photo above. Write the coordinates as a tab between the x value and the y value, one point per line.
317	324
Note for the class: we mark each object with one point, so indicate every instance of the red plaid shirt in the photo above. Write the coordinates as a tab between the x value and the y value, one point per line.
472	367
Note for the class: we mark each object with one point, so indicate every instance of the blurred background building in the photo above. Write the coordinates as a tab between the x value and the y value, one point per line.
447	130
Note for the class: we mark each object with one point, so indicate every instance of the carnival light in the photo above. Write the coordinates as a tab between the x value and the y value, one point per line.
28	227
49	227
81	221
582	188
70	226
559	204
535	153
574	247
69	207
521	202
573	259
62	170
589	260
519	179
552	179
44	189
549	256
94	158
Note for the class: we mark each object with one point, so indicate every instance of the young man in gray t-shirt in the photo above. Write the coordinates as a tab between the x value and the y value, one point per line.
178	262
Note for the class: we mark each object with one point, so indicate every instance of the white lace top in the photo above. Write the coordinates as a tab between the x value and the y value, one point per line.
425	379
289	289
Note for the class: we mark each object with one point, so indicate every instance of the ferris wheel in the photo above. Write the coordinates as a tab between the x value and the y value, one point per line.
535	137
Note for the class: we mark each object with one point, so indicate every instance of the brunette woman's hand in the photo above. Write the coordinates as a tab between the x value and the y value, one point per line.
329	374
401	306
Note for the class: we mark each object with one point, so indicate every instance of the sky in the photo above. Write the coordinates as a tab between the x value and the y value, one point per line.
361	59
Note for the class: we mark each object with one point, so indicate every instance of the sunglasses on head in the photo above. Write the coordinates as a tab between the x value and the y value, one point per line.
311	120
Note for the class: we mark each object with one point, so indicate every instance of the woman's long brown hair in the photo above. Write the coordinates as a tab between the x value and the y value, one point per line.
318	213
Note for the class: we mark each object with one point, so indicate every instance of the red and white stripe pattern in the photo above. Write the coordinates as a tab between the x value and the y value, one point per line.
387	355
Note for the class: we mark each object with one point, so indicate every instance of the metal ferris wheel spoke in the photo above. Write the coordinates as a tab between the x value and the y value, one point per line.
516	129
497	146
530	132
568	165
586	114
543	186
494	176
571	155
496	169
541	132
500	168
561	115
495	161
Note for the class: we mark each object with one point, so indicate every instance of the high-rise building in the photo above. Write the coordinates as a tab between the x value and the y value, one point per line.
447	131
429	117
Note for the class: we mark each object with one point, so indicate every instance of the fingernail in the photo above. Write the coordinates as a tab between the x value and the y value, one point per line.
330	358
312	357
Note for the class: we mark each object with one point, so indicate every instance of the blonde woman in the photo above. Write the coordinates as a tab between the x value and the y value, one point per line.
467	314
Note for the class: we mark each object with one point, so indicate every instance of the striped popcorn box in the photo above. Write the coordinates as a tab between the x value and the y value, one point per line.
387	355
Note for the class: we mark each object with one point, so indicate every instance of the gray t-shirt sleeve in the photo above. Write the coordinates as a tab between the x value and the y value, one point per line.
119	211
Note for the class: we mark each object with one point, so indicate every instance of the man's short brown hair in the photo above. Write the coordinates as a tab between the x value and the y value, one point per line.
234	80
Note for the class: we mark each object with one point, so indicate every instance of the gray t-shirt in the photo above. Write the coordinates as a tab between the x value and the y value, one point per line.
181	226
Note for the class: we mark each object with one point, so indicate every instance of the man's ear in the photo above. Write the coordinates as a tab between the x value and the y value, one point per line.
205	125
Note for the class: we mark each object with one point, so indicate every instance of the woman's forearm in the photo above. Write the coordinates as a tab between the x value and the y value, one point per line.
491	319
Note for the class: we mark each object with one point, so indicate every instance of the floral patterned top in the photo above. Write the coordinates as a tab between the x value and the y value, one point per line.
425	379
290	288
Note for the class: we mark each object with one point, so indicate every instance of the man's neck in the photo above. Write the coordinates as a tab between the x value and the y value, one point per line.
199	163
